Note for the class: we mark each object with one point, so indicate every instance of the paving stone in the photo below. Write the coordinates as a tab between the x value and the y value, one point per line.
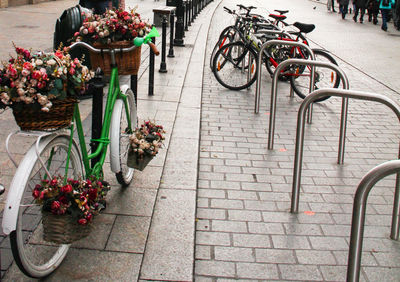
266	228
290	242
229	226
275	256
234	254
302	229
300	272
334	272
215	268
315	257
251	240
210	213
257	271
243	215
213	238
328	243
226	204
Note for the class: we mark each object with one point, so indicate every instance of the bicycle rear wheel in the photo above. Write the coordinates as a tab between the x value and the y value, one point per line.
324	77
228	35
120	131
34	256
235	66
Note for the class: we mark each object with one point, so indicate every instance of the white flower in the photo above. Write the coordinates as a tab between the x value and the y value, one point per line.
29	100
20	91
39	62
45	109
106	32
51	62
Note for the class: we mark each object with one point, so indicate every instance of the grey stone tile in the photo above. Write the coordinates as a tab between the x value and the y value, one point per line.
382	273
213	238
334	272
290	242
251	240
243	215
300	272
129	234
229	226
266	228
234	254
257	271
328	243
215	268
315	257
174	218
275	256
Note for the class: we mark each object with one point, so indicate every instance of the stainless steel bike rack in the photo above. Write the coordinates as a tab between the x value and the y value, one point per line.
259	64
300	128
274	93
359	209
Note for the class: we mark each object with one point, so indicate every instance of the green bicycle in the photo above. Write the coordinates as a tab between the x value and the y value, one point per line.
57	153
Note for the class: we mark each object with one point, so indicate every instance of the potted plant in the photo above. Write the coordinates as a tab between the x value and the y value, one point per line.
68	206
145	143
115	28
42	88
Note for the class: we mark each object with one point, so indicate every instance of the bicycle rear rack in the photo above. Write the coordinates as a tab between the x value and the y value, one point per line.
259	63
359	209
301	123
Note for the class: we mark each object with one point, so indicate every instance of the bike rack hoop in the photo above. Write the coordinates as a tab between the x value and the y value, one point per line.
301	124
359	209
259	62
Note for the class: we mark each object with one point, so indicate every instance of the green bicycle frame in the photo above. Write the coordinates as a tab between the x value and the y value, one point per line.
114	93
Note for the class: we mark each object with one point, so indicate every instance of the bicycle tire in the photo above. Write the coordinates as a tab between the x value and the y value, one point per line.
231	66
278	54
35	257
228	35
120	136
324	77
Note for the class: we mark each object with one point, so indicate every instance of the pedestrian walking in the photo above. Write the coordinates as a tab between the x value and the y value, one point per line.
373	10
330	4
343	7
359	7
396	15
385	6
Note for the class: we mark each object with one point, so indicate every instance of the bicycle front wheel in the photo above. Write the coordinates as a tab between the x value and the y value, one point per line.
235	66
324	77
120	131
228	35
34	256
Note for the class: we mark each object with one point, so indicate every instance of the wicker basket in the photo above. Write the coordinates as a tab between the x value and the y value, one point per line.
63	229
136	162
127	62
31	117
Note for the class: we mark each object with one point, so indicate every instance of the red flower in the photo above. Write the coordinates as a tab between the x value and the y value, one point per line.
55	205
82	221
59	54
36	74
89	216
92	194
36	193
66	189
63	200
41	84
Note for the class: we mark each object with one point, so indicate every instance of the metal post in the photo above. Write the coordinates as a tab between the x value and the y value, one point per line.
186	15
189	8
134	86
151	70
300	128
97	112
171	35
179	31
163	65
359	209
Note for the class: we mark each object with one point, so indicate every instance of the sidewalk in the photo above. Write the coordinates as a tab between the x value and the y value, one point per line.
148	229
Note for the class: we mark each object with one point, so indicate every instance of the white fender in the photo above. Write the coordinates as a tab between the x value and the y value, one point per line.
114	132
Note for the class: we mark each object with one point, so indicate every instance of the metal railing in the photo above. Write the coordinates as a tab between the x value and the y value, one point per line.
359	209
274	94
301	123
259	64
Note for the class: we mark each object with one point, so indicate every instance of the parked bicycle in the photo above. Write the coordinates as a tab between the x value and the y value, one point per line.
57	153
234	63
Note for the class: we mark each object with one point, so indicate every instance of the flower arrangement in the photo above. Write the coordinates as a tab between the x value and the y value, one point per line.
41	77
114	25
79	198
145	142
147	139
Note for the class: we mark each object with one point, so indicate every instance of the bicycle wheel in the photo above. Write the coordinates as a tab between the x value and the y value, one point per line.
228	35
279	53
34	256
119	136
234	66
324	77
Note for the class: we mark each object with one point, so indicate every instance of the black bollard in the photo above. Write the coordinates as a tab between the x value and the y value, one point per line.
190	12
194	9
179	31
163	65
186	15
97	86
171	35
134	86
151	70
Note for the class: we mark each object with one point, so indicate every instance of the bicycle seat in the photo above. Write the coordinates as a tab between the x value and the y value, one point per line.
305	28
282	11
278	17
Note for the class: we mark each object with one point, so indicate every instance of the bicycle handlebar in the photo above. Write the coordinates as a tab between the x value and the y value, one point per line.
108	50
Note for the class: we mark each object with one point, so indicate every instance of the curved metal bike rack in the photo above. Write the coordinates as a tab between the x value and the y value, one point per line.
259	64
359	209
274	89
301	122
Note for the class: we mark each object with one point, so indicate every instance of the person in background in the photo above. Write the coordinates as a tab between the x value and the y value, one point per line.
396	15
343	7
359	6
385	6
373	10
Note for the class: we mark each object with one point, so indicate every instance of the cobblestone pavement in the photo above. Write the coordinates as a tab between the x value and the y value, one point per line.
244	229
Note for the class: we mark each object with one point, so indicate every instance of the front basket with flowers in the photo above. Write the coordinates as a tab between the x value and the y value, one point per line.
68	207
42	88
115	28
145	143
